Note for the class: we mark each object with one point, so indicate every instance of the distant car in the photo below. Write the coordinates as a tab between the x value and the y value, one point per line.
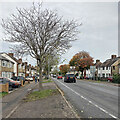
29	78
59	77
70	78
12	83
54	76
110	79
78	77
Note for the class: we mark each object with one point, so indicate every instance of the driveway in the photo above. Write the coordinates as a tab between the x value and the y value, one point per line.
91	100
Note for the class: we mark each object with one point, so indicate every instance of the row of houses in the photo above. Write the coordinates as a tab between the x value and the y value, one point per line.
103	70
9	65
106	69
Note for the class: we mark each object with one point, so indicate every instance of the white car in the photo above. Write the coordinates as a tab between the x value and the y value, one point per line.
29	78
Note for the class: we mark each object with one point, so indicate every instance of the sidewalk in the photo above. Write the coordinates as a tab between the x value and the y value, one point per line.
10	101
51	107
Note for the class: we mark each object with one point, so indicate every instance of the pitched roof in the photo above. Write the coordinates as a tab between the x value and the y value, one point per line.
3	58
9	56
109	62
98	64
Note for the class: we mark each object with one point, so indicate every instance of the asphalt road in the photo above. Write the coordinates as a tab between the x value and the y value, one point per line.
90	99
11	101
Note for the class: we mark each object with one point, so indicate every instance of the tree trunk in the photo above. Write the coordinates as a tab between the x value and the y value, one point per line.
82	74
40	76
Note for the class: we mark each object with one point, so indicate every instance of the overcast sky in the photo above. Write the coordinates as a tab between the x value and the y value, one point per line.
98	33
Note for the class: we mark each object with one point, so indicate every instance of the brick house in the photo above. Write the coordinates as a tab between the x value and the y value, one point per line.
105	69
115	67
6	67
10	57
21	66
33	71
28	70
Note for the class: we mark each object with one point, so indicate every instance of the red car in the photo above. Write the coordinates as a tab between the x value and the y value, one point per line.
110	79
59	77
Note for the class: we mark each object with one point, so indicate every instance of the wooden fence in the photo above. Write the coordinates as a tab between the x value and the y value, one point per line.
4	87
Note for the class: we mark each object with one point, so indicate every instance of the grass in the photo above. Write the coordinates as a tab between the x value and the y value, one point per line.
36	95
2	94
47	81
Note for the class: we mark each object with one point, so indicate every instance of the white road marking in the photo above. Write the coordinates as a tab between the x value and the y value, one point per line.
12	111
88	100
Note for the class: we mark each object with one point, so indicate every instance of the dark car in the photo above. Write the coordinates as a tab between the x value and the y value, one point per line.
19	78
12	83
14	78
70	78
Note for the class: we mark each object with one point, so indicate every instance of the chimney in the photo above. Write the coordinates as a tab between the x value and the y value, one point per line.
97	61
113	56
10	54
20	61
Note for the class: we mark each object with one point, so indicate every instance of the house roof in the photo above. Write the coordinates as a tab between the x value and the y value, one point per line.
3	58
109	62
10	56
98	64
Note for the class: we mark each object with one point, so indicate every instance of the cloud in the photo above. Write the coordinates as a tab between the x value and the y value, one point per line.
99	30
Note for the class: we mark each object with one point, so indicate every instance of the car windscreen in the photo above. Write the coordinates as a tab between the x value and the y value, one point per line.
70	75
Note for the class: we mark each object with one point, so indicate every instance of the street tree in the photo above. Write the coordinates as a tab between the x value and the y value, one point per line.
40	32
51	61
64	68
81	61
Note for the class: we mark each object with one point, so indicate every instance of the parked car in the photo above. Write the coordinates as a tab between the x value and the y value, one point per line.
2	81
29	78
19	78
110	79
78	77
59	77
54	76
70	78
14	78
12	83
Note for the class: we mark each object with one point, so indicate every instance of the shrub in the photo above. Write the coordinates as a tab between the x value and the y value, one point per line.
116	78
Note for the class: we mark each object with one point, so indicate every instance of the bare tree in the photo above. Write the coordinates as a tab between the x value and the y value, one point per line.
40	33
19	51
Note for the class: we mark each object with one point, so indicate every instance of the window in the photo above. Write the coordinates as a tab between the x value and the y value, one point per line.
106	68
113	67
106	75
4	63
103	75
103	68
4	74
10	65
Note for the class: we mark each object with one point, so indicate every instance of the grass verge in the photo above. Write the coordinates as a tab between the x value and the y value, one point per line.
47	81
2	94
36	95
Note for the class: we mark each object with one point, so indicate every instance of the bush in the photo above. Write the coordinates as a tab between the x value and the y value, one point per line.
116	78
